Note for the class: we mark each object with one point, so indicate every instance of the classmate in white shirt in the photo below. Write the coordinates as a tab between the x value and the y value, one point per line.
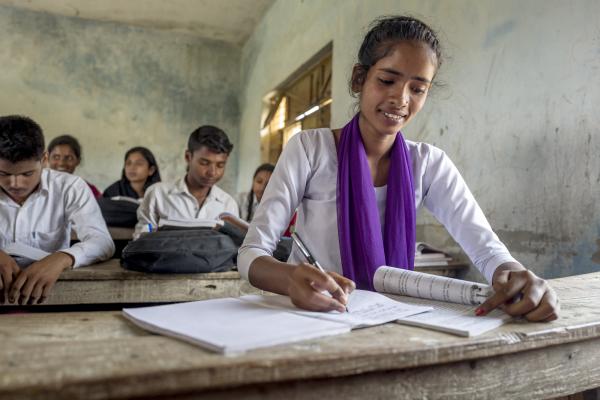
196	195
37	208
357	190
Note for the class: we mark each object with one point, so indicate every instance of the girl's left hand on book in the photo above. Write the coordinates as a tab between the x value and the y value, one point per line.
519	292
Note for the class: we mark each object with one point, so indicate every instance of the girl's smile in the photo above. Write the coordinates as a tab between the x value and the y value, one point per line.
395	88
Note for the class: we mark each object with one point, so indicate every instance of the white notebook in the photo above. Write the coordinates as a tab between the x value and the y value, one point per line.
233	326
25	251
230	326
457	319
191	223
365	309
453	300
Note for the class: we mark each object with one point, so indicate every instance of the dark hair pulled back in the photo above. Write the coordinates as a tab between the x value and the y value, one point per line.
263	167
383	34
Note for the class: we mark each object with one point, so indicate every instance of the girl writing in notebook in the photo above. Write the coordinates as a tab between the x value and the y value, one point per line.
357	190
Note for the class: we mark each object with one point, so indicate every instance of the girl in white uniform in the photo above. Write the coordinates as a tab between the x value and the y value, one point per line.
357	190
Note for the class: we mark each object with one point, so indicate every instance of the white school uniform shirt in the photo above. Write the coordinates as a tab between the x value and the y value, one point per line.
305	178
175	202
44	221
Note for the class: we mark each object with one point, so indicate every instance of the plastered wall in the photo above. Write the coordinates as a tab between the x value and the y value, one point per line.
517	113
115	86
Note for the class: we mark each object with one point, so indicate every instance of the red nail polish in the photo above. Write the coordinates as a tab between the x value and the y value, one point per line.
479	312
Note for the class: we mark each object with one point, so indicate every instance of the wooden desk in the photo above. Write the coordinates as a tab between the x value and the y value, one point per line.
100	355
109	283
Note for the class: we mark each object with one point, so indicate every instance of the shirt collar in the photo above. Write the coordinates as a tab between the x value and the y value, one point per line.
215	192
181	187
43	186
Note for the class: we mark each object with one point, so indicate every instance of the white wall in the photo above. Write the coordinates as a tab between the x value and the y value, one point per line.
518	113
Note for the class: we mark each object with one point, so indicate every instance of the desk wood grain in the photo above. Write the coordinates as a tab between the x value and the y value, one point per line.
100	355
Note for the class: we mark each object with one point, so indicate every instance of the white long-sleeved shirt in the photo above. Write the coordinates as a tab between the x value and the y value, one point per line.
173	201
305	178
44	221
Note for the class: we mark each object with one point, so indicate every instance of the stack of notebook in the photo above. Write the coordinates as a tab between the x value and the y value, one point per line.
428	256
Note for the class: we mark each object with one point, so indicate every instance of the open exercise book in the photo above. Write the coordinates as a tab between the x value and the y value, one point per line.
235	325
453	300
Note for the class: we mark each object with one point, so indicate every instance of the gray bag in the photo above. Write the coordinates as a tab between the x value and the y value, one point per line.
180	252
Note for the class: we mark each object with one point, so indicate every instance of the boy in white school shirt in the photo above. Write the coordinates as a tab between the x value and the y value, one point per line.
37	208
196	195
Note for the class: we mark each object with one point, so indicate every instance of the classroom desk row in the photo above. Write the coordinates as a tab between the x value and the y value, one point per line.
109	283
100	355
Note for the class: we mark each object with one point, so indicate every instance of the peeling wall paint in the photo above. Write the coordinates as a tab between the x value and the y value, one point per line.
518	111
115	86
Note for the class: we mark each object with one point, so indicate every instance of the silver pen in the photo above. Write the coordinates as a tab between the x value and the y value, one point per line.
311	260
309	257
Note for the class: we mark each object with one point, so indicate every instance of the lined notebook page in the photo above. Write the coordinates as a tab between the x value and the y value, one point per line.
458	319
365	308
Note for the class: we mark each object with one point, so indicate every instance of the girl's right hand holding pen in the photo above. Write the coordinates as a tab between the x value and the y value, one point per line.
306	284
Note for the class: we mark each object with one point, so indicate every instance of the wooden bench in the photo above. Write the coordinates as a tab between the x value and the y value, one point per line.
100	355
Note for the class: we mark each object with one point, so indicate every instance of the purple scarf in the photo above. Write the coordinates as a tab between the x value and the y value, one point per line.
363	247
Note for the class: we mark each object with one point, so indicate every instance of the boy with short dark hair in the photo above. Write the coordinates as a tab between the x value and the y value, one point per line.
196	195
37	209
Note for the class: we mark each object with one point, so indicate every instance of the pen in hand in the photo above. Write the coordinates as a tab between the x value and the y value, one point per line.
309	257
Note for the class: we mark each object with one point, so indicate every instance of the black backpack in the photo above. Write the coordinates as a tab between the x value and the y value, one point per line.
119	213
180	251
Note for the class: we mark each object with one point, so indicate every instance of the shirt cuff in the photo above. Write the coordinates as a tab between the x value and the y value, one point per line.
246	255
493	263
77	255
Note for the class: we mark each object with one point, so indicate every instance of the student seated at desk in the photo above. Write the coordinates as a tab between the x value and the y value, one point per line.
37	208
139	173
64	155
357	190
249	200
196	195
